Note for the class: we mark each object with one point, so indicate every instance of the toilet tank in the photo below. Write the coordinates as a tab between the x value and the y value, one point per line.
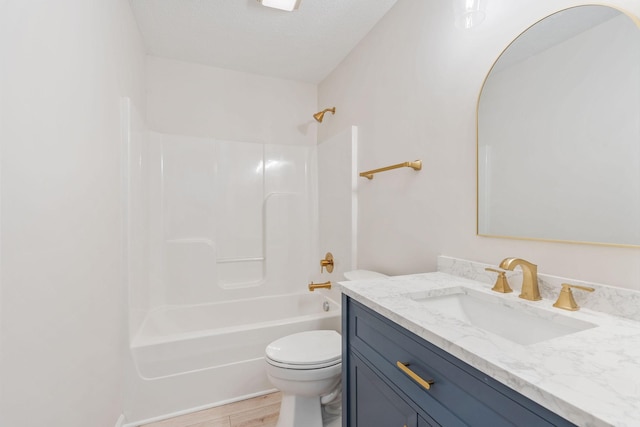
363	275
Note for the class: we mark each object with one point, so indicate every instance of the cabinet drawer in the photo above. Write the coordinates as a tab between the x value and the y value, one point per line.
459	395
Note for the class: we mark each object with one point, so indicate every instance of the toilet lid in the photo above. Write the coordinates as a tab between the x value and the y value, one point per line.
307	348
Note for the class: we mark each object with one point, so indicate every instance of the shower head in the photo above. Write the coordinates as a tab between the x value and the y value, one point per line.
319	116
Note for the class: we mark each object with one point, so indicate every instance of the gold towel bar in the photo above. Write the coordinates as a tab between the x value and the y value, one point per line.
416	165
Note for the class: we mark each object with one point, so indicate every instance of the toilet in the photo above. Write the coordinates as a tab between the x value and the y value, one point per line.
306	367
363	275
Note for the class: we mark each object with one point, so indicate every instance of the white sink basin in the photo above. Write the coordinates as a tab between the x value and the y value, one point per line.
517	322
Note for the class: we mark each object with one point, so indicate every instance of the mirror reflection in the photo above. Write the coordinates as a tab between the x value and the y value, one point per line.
559	132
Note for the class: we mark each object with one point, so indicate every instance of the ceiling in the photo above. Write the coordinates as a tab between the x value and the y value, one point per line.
305	45
553	30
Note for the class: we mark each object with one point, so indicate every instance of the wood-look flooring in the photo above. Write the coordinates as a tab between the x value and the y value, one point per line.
260	411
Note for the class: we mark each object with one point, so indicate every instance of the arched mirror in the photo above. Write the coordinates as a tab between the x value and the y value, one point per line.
559	132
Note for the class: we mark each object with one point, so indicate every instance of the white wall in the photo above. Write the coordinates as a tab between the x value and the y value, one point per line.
197	100
411	87
66	64
337	206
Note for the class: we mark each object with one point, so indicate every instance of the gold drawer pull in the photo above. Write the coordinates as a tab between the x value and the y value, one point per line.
426	384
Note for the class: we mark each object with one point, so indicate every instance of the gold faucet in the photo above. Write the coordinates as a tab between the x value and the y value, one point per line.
327	263
314	286
530	290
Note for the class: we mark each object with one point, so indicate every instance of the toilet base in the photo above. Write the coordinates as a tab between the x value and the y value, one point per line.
336	422
332	420
297	411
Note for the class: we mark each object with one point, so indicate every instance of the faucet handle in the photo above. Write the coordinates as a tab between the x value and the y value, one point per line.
327	263
502	285
565	299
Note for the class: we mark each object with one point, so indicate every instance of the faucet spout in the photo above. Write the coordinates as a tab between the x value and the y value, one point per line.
530	290
314	286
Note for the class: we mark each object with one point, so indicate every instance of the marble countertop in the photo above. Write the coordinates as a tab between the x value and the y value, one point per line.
591	377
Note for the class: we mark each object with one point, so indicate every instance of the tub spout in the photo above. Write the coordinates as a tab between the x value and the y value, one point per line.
314	286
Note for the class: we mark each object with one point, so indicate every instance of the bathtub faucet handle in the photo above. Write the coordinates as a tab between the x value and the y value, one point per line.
327	263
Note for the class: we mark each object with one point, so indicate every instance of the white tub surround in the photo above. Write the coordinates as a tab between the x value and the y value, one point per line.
219	243
222	238
590	377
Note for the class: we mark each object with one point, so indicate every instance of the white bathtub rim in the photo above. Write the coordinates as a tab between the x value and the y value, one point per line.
139	341
170	307
184	336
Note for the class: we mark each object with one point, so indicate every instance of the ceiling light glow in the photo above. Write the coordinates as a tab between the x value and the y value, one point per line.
469	13
288	5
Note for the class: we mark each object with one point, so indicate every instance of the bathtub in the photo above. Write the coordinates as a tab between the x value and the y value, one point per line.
188	358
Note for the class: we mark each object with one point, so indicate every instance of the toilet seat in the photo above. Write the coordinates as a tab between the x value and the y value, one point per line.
302	367
306	350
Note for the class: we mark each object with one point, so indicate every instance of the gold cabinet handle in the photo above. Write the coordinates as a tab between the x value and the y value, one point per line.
404	367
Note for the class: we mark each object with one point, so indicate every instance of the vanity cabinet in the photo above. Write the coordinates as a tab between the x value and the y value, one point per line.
388	408
378	393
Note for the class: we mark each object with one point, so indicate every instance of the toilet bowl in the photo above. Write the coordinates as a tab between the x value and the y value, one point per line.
306	367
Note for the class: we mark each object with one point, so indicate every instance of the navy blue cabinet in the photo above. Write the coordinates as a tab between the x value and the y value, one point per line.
389	408
387	371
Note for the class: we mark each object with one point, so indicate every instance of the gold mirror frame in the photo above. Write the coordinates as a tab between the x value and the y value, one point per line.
636	21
